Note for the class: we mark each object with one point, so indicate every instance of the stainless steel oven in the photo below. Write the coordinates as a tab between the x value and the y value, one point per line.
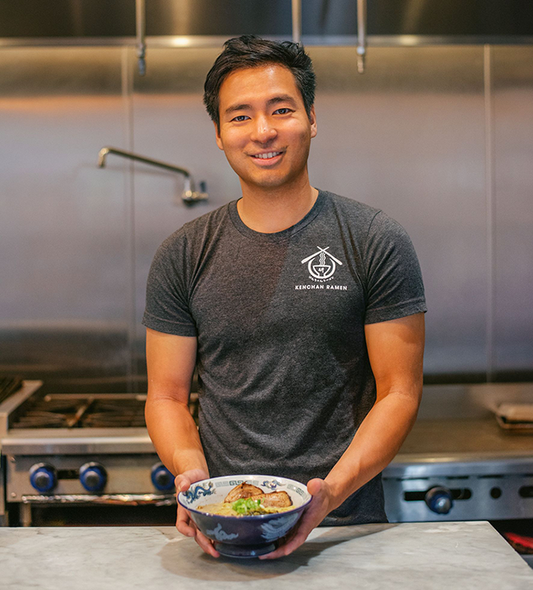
79	449
459	463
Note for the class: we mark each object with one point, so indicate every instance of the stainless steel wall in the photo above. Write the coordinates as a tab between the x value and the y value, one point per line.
441	138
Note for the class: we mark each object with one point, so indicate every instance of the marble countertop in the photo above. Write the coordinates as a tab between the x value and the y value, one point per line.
425	556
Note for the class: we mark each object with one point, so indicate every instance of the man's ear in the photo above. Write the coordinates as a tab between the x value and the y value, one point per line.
312	120
217	136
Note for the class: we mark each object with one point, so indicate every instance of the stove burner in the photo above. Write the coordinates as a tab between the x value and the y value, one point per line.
79	411
111	414
36	419
112	420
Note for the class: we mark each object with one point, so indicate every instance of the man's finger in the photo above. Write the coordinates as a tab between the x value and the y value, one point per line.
185	528
311	518
206	544
182	483
184	523
291	542
286	548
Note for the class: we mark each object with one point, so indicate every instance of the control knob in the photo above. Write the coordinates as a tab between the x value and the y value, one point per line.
43	477
93	477
162	478
439	499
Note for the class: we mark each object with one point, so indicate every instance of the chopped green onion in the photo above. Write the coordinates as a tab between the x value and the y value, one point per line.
246	506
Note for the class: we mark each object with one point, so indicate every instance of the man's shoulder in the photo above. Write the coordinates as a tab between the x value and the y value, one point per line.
214	217
199	227
360	217
350	208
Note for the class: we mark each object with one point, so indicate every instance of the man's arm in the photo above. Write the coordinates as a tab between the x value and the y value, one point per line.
170	362
395	349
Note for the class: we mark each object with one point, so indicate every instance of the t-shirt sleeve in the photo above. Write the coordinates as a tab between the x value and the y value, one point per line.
394	279
167	293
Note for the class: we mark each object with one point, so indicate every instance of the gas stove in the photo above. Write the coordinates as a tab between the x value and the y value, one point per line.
79	449
73	449
458	463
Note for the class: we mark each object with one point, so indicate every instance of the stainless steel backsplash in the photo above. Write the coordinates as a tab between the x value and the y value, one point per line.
439	137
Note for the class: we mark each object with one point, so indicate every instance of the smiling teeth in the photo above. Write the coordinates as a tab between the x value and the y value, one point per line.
268	155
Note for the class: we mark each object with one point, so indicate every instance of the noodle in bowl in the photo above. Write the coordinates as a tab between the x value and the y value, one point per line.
248	535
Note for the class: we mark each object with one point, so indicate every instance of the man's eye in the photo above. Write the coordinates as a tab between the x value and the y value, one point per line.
240	118
283	111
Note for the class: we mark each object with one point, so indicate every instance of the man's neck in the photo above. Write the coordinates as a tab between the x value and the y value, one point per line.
275	210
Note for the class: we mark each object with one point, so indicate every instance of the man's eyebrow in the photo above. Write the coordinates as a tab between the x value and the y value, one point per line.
272	101
237	107
282	98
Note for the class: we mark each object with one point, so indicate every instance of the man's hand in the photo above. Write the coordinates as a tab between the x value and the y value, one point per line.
314	514
184	523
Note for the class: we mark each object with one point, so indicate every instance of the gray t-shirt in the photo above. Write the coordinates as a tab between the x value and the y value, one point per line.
283	370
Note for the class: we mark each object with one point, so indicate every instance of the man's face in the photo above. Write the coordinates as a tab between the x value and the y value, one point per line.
265	131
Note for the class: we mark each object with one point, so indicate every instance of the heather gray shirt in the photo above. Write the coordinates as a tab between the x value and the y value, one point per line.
283	368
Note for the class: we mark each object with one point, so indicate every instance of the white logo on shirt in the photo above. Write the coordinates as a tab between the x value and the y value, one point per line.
321	265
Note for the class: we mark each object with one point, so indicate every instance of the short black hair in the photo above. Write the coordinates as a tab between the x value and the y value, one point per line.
249	51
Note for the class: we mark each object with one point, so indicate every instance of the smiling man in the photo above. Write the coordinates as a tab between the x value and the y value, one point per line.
301	310
266	134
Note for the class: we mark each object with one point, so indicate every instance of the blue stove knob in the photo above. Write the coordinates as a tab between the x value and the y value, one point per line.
439	499
162	478
93	477
43	477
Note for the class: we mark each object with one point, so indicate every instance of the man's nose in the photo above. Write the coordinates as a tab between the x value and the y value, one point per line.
264	130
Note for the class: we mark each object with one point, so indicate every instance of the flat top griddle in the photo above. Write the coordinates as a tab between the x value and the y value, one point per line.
457	439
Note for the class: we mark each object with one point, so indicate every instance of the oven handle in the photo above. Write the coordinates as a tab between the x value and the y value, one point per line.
116	499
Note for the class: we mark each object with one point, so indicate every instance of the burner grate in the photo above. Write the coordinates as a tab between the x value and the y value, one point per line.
125	413
62	411
9	385
39	419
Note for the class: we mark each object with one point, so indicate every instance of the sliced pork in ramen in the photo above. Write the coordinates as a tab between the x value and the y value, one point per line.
275	499
244	490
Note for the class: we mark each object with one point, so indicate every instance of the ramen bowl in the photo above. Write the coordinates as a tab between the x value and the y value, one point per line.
244	536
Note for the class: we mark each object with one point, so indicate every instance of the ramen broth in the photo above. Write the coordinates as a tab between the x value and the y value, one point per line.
226	509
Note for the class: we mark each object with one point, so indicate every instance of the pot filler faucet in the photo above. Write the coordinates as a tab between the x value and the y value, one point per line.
189	195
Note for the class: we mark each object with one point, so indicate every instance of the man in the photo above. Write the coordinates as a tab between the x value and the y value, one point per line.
302	310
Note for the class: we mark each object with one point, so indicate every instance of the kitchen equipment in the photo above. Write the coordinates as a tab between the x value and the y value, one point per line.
458	463
319	21
79	449
8	386
516	417
189	195
86	449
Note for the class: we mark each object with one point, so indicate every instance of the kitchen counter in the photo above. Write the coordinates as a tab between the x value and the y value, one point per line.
459	555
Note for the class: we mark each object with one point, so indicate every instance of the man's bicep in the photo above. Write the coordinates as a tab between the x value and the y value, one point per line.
170	363
396	350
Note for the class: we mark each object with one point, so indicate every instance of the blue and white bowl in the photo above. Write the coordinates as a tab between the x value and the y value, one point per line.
244	536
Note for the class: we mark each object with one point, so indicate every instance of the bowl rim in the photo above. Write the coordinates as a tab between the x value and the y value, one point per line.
252	517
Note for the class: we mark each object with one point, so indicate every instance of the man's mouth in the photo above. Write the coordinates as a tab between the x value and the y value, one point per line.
266	155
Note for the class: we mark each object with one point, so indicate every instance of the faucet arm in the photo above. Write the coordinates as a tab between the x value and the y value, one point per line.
102	154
